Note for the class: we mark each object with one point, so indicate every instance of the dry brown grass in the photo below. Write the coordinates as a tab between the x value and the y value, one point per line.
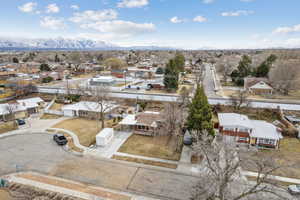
85	129
157	147
50	116
56	106
7	126
288	156
5	195
146	162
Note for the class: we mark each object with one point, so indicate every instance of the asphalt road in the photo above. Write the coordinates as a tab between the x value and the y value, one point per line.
38	152
208	82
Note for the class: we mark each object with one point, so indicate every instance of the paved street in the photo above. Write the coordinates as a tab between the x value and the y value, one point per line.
208	82
38	152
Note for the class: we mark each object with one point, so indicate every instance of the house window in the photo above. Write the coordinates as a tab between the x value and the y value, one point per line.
229	129
245	130
266	141
243	139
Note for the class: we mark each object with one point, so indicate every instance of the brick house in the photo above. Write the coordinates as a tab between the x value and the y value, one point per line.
240	129
258	86
146	123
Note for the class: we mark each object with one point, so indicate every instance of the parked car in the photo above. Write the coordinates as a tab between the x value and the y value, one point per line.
294	189
60	139
21	122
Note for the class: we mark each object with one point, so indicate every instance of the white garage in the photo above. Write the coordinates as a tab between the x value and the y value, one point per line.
104	137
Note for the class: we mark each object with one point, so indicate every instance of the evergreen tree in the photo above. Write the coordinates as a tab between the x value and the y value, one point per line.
244	66
200	113
15	60
56	59
179	61
264	68
45	67
171	76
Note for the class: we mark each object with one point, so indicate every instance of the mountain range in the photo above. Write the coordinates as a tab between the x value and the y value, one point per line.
67	44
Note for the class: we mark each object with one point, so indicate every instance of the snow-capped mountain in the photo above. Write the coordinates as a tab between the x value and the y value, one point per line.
57	43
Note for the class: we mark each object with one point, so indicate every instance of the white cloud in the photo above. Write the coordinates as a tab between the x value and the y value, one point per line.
132	3
91	15
28	7
74	7
52	8
207	1
237	13
176	20
52	23
286	29
120	28
200	19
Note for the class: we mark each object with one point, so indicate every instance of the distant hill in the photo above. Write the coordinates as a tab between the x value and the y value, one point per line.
66	44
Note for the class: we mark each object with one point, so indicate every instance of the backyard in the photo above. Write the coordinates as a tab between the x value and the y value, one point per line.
288	156
156	147
85	129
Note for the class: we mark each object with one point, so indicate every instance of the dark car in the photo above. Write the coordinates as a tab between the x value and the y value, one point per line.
60	139
21	122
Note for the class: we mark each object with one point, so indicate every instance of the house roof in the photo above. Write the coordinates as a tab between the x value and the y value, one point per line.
148	118
30	102
7	108
261	85
265	130
90	106
129	120
251	81
260	129
104	79
233	119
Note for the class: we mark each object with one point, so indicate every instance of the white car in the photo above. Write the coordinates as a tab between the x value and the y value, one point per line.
294	189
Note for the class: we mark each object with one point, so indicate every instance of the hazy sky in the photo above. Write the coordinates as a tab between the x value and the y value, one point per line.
188	24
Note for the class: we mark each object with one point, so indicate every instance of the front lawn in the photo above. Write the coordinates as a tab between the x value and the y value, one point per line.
50	116
56	106
156	147
85	129
288	156
7	126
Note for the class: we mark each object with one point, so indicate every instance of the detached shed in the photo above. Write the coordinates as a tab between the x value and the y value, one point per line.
104	137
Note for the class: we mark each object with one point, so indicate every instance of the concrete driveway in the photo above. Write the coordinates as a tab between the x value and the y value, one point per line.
38	152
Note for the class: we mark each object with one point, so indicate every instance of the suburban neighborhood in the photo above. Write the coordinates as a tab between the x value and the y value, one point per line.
124	100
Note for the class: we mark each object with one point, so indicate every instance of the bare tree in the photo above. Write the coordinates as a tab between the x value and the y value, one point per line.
172	123
222	178
240	99
285	76
100	95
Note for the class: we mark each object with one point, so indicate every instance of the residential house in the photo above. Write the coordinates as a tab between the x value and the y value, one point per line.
32	105
146	123
102	81
258	86
239	128
88	109
12	111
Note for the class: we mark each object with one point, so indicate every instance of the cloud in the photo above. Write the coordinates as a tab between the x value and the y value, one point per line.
28	7
200	19
74	7
52	8
237	13
120	28
208	1
91	15
132	3
176	20
52	23
286	29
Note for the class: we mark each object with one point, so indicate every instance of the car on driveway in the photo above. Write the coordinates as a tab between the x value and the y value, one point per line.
21	122
60	139
294	189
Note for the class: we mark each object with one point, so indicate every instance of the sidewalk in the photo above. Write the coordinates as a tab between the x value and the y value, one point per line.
277	178
70	188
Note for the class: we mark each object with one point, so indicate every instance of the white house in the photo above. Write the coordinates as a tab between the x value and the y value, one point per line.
239	128
102	80
33	105
88	109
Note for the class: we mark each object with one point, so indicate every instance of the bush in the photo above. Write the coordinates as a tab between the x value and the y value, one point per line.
47	79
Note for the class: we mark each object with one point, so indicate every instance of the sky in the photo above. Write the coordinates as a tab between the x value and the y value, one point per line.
188	24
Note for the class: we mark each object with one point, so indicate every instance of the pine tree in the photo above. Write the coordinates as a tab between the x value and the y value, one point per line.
264	68
171	76
179	62
200	113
